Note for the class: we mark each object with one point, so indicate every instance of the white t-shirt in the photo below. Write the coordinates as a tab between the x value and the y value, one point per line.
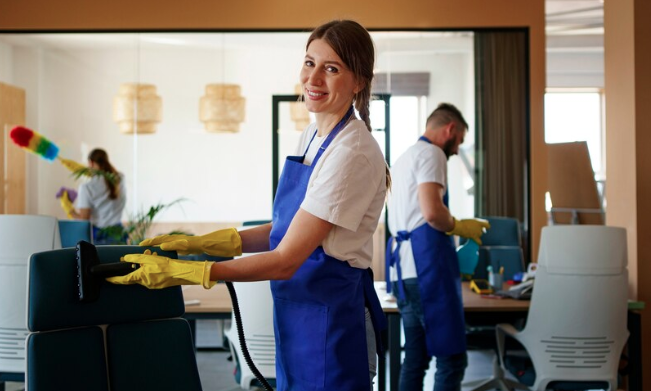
421	163
94	195
348	189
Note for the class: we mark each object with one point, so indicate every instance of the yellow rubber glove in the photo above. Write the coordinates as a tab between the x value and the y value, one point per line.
71	165
156	272
66	204
223	243
470	228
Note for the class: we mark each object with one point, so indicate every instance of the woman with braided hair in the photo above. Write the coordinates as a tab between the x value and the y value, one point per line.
318	248
102	199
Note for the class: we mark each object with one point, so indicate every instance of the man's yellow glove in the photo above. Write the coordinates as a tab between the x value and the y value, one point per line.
66	204
470	228
223	243
156	272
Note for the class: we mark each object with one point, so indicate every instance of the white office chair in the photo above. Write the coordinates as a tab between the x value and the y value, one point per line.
20	237
576	326
256	308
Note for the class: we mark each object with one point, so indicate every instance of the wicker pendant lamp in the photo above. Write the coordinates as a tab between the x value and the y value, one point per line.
137	108
221	109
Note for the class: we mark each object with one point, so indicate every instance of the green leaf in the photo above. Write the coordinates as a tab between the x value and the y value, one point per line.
93	172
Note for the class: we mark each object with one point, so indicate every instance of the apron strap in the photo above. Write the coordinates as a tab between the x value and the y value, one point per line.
392	258
332	135
372	302
308	144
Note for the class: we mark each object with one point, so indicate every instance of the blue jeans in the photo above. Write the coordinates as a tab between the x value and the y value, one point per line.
449	369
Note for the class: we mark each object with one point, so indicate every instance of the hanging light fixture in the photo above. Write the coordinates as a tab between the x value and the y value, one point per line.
137	108
222	108
298	112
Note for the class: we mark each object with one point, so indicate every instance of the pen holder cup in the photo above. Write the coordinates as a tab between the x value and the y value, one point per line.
495	280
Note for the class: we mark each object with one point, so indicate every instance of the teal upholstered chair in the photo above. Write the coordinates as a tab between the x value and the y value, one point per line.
72	231
501	247
131	337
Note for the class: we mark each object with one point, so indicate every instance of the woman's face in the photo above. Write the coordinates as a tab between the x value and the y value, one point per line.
328	85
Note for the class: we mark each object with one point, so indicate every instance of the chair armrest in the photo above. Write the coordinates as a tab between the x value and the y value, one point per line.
507	328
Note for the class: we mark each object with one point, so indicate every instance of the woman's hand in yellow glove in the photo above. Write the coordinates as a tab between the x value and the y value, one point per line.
66	205
222	243
470	228
156	272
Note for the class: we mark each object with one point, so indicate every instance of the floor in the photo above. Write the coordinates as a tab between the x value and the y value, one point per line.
216	368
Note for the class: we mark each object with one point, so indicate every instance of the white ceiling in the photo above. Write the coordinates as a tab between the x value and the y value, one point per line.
574	17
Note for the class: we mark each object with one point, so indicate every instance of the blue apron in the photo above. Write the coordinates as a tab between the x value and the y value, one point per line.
439	283
319	316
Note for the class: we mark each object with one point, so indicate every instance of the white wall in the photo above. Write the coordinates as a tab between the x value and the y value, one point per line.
223	177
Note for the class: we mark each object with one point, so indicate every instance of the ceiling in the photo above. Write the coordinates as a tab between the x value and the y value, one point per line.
574	17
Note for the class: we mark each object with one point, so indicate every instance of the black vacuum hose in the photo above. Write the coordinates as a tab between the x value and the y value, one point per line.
240	335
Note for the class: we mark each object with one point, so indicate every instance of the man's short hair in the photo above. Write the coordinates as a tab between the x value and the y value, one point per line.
444	114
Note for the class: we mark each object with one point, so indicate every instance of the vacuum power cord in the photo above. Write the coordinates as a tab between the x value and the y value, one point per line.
240	335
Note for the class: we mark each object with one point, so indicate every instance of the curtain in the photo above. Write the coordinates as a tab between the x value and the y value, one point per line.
502	102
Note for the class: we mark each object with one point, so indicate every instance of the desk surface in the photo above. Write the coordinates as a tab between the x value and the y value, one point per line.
217	300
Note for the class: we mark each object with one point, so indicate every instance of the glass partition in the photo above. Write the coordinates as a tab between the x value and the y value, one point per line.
73	81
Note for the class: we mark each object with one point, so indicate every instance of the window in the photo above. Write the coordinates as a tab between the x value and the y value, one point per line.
577	115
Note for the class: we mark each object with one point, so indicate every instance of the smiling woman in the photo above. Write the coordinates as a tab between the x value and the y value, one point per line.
325	213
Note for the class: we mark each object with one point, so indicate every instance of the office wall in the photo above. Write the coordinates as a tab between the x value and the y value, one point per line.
293	14
222	177
628	139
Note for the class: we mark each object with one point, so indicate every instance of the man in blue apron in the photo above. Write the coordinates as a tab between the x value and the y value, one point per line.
422	265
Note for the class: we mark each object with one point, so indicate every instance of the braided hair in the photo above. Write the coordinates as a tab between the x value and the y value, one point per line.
100	157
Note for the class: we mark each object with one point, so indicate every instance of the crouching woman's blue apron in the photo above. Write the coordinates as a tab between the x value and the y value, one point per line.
319	317
439	284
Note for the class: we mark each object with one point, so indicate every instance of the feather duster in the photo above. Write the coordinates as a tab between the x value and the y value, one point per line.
34	142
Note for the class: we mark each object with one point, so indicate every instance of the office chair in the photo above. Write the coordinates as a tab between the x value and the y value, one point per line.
576	326
72	231
256	308
20	236
501	247
131	337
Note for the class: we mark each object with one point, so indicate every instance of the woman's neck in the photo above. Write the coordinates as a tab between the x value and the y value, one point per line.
325	122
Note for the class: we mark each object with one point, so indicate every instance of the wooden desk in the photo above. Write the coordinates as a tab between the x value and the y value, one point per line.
216	304
472	303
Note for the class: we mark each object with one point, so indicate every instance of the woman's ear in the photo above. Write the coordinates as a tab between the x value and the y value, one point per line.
358	87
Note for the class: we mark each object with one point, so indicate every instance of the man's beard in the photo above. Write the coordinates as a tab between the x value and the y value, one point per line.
447	148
